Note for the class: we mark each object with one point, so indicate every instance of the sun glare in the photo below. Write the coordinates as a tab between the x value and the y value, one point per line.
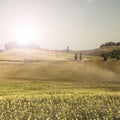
24	35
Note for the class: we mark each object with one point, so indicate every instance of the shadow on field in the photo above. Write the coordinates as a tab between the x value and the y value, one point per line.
68	84
28	79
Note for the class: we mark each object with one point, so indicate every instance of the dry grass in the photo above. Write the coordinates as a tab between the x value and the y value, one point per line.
88	72
58	87
56	66
32	54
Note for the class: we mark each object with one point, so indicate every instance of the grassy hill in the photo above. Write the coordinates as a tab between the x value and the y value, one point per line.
98	51
35	54
55	65
78	73
57	87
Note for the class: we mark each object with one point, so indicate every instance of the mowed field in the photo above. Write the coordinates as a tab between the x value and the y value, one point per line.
58	88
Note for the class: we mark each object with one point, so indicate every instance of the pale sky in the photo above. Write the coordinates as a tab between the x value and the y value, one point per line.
54	24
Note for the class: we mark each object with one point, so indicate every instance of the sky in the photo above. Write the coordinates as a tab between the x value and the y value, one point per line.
56	24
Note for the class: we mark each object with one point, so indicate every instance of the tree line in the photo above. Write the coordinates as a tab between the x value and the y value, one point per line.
110	44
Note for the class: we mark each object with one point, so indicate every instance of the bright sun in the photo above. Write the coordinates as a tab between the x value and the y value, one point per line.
24	35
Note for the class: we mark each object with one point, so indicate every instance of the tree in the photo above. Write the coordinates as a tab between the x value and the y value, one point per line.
114	54
118	57
105	56
76	57
102	45
118	44
80	56
10	45
67	49
110	44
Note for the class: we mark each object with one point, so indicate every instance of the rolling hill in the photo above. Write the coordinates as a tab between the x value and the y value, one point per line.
51	55
41	84
98	51
57	65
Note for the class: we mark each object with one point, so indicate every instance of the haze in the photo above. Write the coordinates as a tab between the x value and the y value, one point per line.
54	24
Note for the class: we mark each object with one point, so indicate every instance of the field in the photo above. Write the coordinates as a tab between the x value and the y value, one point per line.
62	89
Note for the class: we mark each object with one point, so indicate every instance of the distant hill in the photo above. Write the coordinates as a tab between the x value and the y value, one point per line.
99	51
96	51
